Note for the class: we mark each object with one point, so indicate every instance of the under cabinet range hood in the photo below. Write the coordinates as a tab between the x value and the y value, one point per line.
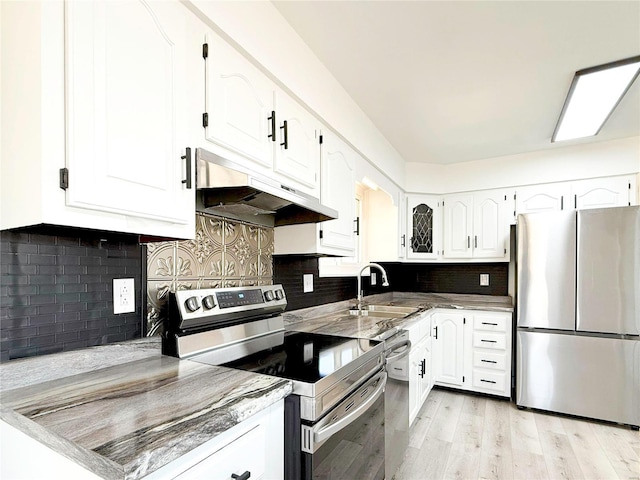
228	189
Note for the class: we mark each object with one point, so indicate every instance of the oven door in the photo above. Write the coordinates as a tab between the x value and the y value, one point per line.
347	442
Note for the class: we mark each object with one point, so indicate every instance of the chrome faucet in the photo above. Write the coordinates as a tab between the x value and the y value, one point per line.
385	281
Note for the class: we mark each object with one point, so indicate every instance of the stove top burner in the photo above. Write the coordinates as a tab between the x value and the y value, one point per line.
306	357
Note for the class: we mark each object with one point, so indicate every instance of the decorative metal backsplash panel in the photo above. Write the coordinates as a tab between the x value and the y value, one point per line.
225	253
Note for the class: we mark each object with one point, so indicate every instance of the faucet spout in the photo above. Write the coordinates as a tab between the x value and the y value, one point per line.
385	281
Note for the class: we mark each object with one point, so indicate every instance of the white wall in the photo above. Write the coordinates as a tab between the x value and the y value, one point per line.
600	159
259	29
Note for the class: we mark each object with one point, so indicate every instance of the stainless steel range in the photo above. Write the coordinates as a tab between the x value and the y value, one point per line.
334	420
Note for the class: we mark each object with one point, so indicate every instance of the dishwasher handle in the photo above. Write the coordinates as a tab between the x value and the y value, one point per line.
323	432
398	355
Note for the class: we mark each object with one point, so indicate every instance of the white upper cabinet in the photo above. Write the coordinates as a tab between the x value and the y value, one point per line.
298	149
542	198
251	120
333	237
107	133
618	191
127	108
604	192
239	104
338	192
475	225
423	227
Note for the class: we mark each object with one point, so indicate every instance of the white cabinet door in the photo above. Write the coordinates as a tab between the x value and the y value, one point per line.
298	148
338	192
423	227
426	379
458	226
415	383
602	192
490	229
127	81
543	198
239	104
448	347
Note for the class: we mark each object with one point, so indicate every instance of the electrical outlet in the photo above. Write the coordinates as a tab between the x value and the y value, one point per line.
124	300
374	278
484	279
307	282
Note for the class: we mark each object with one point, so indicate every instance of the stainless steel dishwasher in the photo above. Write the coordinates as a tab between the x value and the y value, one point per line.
396	401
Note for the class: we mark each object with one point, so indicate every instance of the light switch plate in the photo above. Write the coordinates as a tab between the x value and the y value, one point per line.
307	282
124	300
484	279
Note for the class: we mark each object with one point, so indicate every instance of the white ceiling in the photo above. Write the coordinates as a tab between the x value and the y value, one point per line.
449	82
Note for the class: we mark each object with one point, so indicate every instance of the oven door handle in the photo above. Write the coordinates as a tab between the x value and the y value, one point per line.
395	347
324	432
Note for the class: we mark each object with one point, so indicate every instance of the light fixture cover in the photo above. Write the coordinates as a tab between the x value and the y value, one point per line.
594	94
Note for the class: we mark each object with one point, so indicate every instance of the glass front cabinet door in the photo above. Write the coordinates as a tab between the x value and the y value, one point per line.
424	227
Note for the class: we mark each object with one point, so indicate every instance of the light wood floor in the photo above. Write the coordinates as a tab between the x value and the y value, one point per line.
463	436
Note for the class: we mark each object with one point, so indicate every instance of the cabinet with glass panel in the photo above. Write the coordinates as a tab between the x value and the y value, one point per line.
424	227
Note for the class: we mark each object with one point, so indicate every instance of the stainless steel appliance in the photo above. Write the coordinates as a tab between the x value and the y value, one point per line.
578	320
229	189
396	401
334	420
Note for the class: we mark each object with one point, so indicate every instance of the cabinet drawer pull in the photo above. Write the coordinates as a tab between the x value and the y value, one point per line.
404	240
486	381
244	476
272	135
475	242
285	144
468	241
187	158
488	341
436	332
489	323
488	361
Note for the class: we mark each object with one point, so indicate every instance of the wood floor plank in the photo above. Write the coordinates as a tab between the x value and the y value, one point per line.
469	430
524	432
496	433
547	422
474	405
528	465
618	445
559	456
496	464
463	462
424	418
443	426
431	461
593	461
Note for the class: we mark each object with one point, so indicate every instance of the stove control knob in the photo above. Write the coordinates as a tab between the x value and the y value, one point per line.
208	302
192	304
279	294
268	295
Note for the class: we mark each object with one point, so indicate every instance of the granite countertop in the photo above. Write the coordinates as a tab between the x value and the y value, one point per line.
333	319
129	419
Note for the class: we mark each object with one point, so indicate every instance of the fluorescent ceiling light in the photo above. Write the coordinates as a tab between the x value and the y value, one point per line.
594	94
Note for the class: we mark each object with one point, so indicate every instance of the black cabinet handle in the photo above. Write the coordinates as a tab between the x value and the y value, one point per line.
475	241
187	157
436	332
285	144
489	323
468	241
488	361
272	135
244	476
489	341
423	368
486	381
357	227
404	240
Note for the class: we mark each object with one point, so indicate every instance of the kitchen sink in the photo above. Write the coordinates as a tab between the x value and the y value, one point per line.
384	311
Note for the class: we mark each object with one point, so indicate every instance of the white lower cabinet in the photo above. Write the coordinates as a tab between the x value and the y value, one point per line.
255	446
420	370
472	350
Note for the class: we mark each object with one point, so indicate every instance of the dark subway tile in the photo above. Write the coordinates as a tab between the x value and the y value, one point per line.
50	249
115	321
23	248
73	287
66	337
73	326
23	352
49	289
49	329
68	317
67	298
50	269
49	349
75	251
90	260
74	307
10	323
25	332
17	301
42	279
37	320
42	239
37	259
14	279
20	269
42	299
47	309
38	341
68	260
67	279
22	290
68	346
15	312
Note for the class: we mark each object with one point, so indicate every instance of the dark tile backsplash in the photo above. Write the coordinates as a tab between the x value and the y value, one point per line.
288	271
403	277
56	289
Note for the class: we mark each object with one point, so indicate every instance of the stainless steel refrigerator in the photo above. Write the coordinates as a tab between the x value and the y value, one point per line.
578	313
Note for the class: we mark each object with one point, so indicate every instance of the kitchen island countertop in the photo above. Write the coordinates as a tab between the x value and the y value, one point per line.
134	416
